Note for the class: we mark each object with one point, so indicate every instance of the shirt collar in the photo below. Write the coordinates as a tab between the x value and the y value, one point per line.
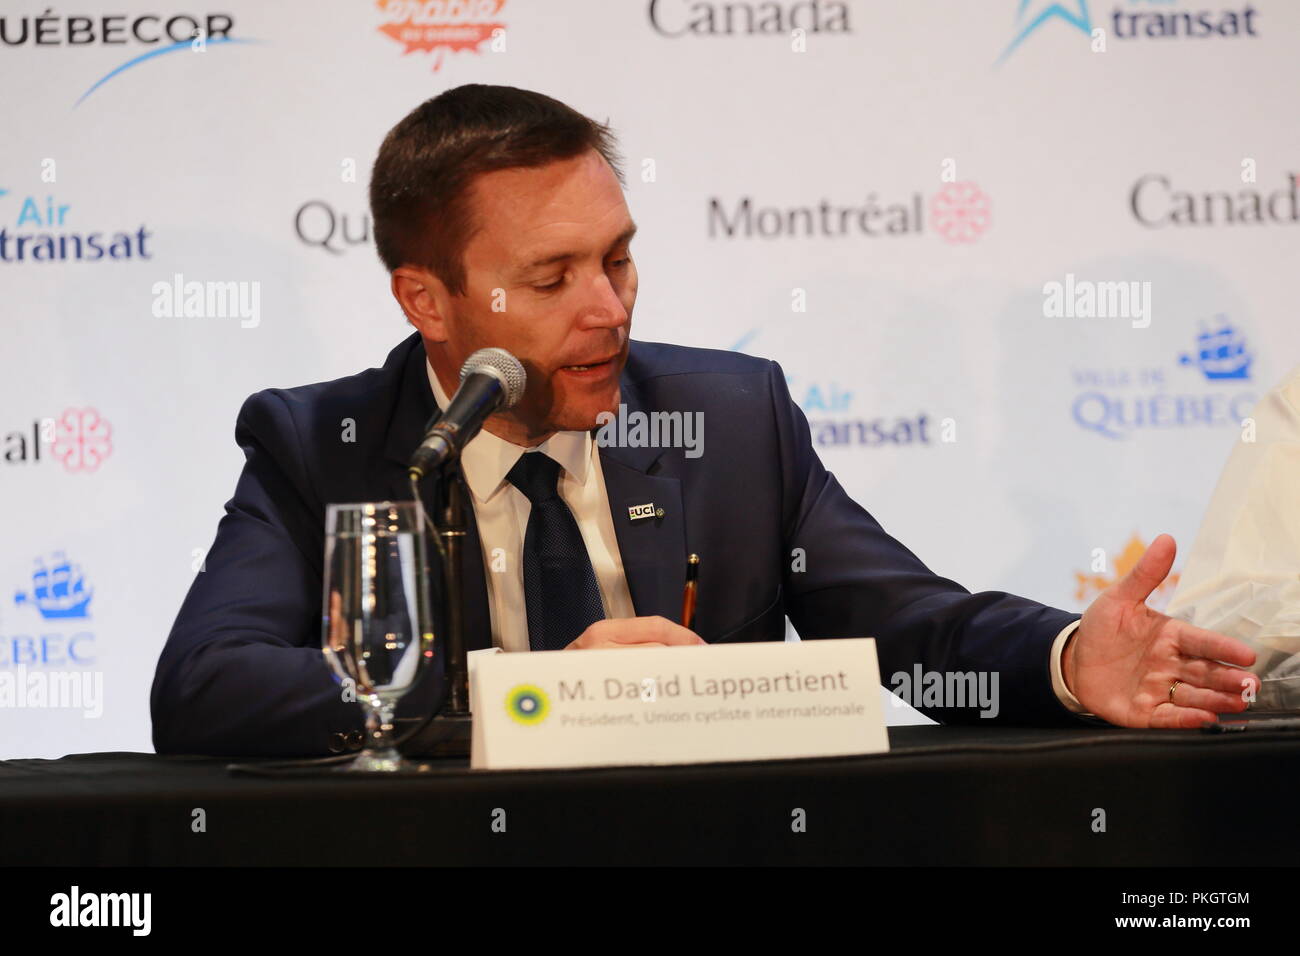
488	458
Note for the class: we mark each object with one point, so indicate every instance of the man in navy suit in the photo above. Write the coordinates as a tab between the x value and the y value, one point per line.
500	216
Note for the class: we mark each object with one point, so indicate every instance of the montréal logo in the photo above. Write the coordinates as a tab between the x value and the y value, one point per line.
960	212
80	439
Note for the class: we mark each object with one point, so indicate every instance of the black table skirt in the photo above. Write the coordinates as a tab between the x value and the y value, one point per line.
944	795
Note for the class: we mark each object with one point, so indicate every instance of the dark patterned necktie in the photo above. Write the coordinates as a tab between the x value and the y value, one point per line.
560	586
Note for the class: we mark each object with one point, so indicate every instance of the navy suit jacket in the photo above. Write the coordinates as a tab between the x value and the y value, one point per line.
242	671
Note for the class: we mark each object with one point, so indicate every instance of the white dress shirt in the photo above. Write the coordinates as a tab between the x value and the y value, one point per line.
501	512
1058	677
1243	573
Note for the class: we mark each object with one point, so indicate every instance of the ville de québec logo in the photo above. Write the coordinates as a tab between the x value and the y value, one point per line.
59	589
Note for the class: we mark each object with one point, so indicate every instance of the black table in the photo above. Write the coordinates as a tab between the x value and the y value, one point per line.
944	795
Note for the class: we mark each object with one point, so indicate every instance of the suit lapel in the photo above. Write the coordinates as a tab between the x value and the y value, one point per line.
653	549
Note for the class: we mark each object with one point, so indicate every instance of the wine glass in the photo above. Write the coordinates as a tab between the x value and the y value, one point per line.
377	628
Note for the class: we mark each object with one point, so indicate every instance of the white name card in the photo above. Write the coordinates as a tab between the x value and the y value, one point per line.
666	705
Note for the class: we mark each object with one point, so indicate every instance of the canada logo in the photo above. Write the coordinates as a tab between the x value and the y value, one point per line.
439	26
1089	586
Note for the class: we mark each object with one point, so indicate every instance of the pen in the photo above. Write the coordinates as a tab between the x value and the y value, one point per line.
1263	723
691	592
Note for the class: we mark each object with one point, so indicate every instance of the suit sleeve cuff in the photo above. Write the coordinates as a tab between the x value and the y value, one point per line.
1067	699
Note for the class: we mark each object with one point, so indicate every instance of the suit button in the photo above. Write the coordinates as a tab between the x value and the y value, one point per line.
353	740
337	743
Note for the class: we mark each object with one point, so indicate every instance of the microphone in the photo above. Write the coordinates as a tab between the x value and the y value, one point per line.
490	380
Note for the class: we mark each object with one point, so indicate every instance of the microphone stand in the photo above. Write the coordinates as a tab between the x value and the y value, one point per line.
446	732
452	525
451	729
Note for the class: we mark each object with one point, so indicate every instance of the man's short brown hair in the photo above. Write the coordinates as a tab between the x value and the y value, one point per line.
419	186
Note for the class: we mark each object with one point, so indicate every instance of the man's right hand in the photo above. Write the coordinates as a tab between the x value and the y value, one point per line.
634	632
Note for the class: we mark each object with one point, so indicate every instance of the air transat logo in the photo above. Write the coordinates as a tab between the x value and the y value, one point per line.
1032	14
440	26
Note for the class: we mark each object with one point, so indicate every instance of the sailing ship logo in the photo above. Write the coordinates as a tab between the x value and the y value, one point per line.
1221	354
59	589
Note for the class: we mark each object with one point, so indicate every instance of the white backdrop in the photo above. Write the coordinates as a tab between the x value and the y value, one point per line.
1022	158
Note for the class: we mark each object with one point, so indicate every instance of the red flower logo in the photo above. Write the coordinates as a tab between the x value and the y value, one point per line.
960	212
82	439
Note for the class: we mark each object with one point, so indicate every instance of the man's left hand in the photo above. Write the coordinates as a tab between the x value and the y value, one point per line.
1125	657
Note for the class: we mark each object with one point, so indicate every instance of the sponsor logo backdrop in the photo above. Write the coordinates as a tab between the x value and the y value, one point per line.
1026	264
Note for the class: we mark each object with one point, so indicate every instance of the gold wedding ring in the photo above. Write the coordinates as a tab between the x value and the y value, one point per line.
1173	687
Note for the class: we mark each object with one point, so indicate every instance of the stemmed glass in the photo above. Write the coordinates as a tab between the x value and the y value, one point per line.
377	632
